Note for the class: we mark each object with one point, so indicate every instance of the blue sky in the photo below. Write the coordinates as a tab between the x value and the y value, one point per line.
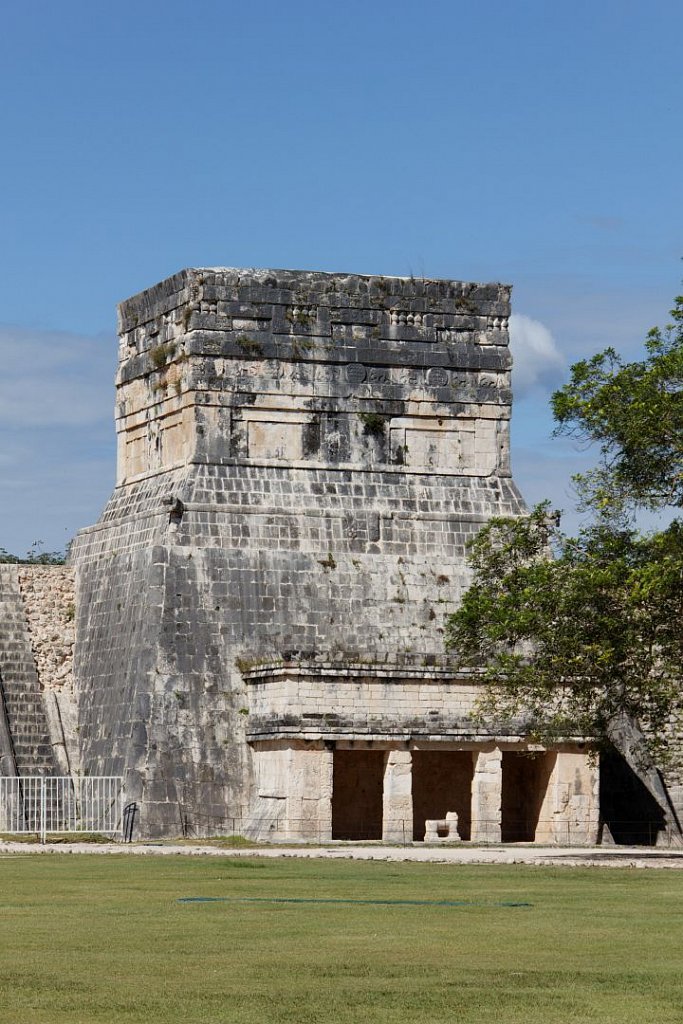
533	143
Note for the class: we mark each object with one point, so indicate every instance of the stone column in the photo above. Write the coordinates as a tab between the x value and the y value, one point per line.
397	809
577	799
487	795
325	805
308	785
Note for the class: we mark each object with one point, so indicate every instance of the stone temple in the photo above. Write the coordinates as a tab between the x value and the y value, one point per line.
302	459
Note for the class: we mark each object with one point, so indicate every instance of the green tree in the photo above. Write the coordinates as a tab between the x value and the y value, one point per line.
34	556
634	411
583	636
575	635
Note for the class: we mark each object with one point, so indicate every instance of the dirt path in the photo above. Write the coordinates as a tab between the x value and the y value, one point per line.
608	856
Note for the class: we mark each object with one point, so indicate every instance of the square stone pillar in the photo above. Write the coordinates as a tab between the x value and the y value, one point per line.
397	805
325	805
576	795
307	781
312	773
487	795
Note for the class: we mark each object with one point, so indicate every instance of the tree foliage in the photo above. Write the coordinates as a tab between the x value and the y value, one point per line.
34	556
634	411
575	634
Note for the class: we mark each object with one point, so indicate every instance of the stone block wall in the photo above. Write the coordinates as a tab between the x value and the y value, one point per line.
292	367
360	701
302	460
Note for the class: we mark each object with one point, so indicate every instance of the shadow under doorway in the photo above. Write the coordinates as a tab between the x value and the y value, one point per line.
357	788
525	784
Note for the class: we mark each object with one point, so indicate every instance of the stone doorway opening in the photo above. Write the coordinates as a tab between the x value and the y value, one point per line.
631	813
525	785
357	787
442	782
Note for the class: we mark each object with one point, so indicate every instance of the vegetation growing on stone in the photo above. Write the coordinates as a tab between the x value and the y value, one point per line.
301	345
374	424
161	353
250	346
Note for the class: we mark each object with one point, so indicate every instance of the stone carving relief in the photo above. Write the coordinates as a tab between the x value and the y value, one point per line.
302	315
432	449
355	373
302	374
405	318
432	378
327	373
437	377
250	375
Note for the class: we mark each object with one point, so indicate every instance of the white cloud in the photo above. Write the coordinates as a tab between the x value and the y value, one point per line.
56	434
537	361
54	379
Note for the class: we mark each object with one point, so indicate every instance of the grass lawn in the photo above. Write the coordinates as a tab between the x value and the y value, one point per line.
104	938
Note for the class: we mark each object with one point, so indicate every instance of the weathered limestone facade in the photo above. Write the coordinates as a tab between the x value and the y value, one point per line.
302	460
429	758
49	599
38	726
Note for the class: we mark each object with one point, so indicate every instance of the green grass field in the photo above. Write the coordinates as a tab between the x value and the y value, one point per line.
93	938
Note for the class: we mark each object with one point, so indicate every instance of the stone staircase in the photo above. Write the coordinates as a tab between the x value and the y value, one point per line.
19	686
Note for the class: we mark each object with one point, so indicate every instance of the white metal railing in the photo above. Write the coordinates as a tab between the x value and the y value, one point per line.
44	803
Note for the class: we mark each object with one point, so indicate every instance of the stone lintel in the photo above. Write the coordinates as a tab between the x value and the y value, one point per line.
397	671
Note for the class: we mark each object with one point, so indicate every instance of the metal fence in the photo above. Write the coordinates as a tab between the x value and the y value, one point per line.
42	804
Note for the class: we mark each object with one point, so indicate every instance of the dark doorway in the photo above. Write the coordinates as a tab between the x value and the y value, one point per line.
357	788
626	805
442	782
525	783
